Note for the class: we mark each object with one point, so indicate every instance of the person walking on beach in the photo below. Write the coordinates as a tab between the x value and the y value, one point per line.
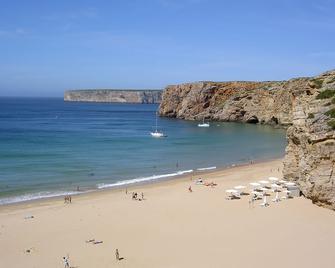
117	255
142	195
66	262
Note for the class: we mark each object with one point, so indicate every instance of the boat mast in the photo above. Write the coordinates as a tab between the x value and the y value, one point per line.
156	121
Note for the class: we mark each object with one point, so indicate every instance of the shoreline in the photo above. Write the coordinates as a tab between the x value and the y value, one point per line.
171	226
130	186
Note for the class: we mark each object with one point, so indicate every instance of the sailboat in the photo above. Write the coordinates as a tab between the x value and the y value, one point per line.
203	124
157	133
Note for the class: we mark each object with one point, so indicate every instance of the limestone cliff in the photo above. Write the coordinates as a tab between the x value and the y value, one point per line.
304	104
251	102
111	95
310	154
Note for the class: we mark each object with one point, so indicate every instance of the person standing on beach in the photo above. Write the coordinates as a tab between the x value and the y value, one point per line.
117	255
66	262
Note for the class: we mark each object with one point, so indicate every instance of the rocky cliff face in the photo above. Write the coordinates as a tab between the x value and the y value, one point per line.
310	154
251	102
304	104
110	95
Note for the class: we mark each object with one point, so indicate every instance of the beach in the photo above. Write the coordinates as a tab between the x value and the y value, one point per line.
171	227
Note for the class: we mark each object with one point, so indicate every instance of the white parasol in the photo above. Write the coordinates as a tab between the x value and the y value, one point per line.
273	179
240	187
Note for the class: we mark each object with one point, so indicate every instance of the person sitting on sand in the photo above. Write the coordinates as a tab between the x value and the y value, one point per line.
190	189
134	196
66	262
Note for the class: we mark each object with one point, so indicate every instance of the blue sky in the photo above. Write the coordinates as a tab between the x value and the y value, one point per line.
49	46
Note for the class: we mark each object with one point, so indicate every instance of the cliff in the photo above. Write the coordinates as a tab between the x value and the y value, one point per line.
251	102
111	95
304	105
310	153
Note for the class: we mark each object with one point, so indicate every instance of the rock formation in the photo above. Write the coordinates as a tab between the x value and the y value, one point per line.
310	153
305	105
110	95
250	102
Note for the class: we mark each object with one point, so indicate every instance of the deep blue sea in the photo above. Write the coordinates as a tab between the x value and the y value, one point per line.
49	147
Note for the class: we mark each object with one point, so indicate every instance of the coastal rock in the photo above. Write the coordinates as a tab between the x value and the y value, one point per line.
305	105
310	153
111	95
249	102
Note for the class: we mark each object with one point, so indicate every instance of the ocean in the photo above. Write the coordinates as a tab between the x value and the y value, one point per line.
49	147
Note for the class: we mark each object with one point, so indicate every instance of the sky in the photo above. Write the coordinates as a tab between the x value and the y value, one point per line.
47	46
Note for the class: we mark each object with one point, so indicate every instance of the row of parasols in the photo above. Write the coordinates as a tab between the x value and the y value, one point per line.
260	190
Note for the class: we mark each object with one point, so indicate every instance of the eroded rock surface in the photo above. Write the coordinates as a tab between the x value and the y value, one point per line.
250	102
310	153
111	95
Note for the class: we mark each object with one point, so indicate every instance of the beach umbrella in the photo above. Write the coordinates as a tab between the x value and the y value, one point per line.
263	189
275	186
273	179
239	187
264	182
289	183
231	191
282	181
255	185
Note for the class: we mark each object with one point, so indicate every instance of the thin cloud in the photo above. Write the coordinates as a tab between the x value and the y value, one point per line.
178	4
319	54
85	13
13	33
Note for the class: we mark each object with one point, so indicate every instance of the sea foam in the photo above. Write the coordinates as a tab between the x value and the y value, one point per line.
206	168
143	179
34	196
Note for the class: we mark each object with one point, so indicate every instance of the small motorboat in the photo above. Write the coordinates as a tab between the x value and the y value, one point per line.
203	124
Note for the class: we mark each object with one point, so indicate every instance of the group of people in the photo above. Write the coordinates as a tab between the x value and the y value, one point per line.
66	260
135	196
67	199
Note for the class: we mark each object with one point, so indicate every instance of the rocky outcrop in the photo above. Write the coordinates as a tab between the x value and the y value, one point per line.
310	153
304	105
250	102
111	95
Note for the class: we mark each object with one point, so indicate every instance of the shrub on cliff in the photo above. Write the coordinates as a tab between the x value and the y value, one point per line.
316	83
331	123
331	113
328	93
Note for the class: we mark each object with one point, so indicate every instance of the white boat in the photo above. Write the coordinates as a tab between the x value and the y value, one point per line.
203	124
157	133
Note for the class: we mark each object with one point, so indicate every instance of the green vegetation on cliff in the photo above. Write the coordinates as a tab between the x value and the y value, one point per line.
331	113
328	93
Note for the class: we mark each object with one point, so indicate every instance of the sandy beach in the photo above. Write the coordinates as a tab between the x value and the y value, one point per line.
171	227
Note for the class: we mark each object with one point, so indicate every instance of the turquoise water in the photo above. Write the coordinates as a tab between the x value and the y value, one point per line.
49	147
